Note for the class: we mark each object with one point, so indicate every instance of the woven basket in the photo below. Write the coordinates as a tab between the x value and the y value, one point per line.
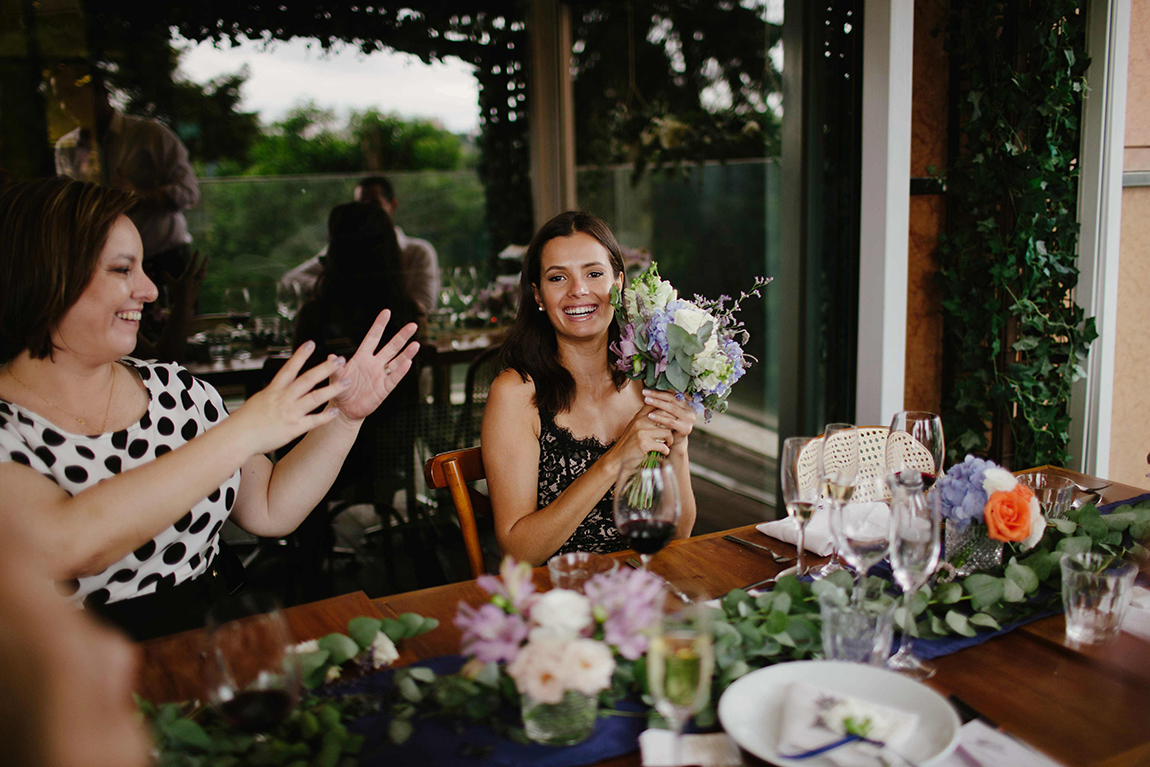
872	461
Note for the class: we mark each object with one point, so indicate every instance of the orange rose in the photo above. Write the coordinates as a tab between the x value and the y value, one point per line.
1007	515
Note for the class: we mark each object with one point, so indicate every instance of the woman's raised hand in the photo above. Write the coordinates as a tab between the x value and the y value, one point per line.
642	436
283	410
671	413
370	377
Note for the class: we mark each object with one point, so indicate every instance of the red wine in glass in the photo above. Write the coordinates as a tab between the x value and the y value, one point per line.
647	536
928	480
257	710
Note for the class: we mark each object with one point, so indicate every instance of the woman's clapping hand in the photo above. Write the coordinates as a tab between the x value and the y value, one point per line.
369	376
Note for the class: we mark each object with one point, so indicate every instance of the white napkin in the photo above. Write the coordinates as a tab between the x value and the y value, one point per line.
804	725
981	746
818	539
713	750
1137	620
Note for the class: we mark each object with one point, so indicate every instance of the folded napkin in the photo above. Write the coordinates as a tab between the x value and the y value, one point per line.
714	750
818	540
813	718
1137	620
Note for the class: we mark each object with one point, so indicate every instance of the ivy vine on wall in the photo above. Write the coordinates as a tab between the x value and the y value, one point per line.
1015	340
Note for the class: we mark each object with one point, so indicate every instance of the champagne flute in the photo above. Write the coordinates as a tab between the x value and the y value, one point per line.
838	468
800	488
647	507
680	661
251	676
914	553
915	442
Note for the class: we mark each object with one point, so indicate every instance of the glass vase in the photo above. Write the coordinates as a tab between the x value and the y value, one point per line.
972	550
570	721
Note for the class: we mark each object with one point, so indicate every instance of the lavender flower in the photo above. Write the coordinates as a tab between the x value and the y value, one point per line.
626	603
491	634
962	494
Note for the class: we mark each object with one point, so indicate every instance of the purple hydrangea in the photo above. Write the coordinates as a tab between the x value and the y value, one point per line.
490	634
962	496
627	602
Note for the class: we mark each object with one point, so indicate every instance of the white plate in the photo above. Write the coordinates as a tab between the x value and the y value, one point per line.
751	708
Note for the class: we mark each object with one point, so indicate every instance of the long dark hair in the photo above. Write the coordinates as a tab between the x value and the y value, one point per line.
531	349
362	273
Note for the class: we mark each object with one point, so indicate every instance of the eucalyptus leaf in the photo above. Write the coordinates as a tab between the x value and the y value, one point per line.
948	593
363	630
984	590
189	733
399	730
1023	576
986	621
959	623
1065	526
422	674
1012	592
1079	544
783	602
341	647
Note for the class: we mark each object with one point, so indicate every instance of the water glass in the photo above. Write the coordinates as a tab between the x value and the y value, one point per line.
1096	590
573	569
1052	491
859	632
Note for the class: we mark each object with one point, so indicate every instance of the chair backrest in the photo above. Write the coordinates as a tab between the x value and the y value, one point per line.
872	462
480	373
454	470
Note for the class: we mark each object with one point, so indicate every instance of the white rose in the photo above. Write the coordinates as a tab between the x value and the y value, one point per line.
311	645
538	671
690	318
1037	526
997	480
560	614
590	665
383	652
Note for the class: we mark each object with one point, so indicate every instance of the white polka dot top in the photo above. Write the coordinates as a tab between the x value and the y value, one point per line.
179	407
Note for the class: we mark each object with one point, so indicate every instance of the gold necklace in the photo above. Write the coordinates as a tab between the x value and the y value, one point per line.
49	403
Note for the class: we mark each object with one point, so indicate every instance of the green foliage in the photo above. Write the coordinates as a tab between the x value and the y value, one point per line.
314	733
1014	338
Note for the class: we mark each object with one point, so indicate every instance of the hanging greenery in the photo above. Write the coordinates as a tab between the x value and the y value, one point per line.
1015	340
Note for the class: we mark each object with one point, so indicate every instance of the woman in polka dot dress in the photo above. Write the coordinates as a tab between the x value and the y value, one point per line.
128	469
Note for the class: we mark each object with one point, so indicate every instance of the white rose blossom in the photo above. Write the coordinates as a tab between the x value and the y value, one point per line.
383	652
538	671
560	614
997	480
1037	525
311	645
690	318
590	666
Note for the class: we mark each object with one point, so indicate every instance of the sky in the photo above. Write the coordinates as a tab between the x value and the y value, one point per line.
287	73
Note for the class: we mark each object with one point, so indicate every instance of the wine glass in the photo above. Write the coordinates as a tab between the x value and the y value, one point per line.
800	488
838	468
252	678
914	553
680	661
466	284
916	443
288	300
238	305
647	507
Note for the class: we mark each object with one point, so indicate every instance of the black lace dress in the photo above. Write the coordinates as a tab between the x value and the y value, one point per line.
562	458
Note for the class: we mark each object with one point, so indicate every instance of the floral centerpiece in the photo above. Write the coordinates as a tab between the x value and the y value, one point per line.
558	647
985	506
692	348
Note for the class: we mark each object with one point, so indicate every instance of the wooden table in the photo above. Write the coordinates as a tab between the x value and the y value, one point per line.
1081	707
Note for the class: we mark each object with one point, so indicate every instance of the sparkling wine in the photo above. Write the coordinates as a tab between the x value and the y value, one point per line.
837	492
679	665
802	510
647	536
257	710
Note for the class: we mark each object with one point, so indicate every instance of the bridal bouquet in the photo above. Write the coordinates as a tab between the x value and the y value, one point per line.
693	348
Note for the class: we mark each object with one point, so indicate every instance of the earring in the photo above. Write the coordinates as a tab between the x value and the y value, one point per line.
541	307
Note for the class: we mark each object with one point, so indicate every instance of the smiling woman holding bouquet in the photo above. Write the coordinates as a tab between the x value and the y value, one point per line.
562	420
125	469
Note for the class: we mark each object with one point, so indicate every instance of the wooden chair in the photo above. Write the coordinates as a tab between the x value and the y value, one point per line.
454	470
872	462
480	374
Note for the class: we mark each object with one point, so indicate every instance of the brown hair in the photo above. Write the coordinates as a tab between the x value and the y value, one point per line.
51	234
531	348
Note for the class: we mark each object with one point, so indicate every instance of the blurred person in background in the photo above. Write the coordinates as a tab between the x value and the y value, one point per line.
418	261
143	156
